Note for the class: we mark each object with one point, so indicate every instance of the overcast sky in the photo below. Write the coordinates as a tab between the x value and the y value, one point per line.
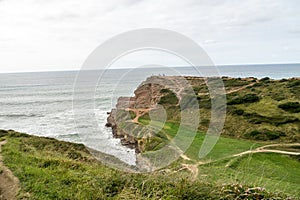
40	35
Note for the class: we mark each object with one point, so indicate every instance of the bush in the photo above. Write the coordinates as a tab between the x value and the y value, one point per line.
283	80
257	84
292	107
248	98
266	79
132	114
164	90
264	135
205	103
293	83
205	122
235	82
197	89
169	98
3	133
255	118
239	111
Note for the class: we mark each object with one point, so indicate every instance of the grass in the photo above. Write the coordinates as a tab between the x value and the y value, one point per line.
51	169
47	170
265	169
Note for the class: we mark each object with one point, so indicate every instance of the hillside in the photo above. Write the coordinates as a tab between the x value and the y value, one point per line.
259	141
49	169
263	110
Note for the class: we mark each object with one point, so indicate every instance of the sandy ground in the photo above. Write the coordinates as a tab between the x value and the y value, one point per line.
9	184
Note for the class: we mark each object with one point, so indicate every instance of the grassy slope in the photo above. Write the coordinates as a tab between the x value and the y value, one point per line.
51	169
268	170
264	116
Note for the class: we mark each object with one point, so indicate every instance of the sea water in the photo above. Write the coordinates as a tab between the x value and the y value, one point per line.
41	103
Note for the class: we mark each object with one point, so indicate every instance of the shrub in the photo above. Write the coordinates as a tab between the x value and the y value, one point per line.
197	89
293	83
205	103
248	98
132	114
292	107
257	84
235	82
169	98
283	80
3	133
255	118
164	90
205	122
264	135
266	79
239	111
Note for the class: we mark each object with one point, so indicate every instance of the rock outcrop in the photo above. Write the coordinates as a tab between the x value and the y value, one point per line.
129	109
124	119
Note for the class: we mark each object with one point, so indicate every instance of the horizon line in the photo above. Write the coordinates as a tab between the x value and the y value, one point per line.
123	68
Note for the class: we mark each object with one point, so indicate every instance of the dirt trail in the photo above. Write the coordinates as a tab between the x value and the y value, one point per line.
193	168
9	184
138	113
240	88
264	150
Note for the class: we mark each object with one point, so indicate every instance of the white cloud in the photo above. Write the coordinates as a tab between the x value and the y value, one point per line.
56	35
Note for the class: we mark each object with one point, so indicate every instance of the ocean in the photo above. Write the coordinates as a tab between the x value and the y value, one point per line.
41	103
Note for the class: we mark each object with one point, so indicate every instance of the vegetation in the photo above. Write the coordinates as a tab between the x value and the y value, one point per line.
259	113
248	98
51	169
264	135
293	107
168	98
265	105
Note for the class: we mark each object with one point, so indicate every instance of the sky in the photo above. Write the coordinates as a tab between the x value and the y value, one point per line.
47	35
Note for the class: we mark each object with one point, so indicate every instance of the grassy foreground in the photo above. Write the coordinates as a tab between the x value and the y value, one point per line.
51	169
275	172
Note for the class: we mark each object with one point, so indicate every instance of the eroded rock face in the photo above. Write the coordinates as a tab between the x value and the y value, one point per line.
124	118
147	95
126	139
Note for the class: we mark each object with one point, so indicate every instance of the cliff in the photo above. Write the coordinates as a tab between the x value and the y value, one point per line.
263	110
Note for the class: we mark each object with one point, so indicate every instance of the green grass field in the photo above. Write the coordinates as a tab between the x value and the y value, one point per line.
267	170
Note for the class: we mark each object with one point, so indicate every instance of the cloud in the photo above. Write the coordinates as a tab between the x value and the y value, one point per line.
63	33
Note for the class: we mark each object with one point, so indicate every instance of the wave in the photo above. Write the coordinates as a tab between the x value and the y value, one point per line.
20	115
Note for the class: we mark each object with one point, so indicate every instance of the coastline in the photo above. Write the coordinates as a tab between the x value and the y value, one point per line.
124	118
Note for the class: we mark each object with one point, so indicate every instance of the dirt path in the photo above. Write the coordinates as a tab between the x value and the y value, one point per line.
240	88
9	184
193	168
264	150
138	113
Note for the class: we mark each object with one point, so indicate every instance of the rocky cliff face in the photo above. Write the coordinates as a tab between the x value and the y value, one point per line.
129	109
124	119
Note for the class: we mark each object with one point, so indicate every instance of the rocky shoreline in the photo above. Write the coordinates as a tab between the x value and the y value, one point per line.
123	120
126	139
